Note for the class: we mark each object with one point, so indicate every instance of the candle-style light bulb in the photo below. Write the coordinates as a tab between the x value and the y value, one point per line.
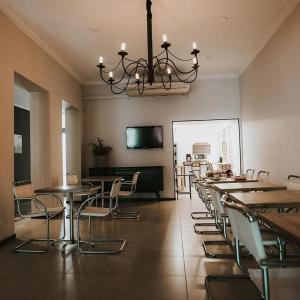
137	76
169	71
164	38
123	47
194	46
110	74
101	60
195	61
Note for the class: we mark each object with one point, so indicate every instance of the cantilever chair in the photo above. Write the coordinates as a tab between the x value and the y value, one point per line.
250	173
245	228
72	179
293	184
24	191
263	175
87	210
117	214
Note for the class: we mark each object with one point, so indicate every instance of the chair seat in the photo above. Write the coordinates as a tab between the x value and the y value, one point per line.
284	283
125	193
95	211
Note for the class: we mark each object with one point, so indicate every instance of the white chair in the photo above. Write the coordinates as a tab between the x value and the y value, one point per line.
24	191
86	210
262	176
250	173
131	188
246	230
293	183
204	195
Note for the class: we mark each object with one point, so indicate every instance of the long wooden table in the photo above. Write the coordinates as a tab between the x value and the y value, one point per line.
229	180
273	199
286	224
247	187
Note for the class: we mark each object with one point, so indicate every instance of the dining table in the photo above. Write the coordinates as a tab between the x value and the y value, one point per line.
287	224
273	199
258	186
69	190
228	180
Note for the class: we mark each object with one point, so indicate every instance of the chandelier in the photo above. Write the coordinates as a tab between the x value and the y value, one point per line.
143	72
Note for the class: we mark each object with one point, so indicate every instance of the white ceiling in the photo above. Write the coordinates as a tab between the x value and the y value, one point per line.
76	32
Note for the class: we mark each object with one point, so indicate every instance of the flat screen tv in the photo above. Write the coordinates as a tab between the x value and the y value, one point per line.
144	137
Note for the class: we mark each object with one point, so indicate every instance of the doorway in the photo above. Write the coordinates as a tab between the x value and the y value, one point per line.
202	145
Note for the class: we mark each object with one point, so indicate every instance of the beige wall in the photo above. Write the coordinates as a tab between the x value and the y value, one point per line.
270	104
20	54
108	119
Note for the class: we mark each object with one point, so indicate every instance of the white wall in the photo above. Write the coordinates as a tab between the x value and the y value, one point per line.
188	133
270	104
107	119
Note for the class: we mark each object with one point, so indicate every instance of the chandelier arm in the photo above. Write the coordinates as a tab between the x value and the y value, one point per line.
138	65
187	79
162	78
182	59
121	90
170	62
101	75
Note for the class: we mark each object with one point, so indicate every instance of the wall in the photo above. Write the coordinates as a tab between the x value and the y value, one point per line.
107	119
19	54
270	104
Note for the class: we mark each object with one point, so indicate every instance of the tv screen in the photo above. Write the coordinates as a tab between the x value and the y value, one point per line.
144	137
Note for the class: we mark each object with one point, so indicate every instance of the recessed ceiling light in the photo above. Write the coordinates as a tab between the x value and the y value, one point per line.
223	19
209	57
93	28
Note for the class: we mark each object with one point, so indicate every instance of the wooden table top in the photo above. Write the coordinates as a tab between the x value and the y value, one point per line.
275	199
66	189
101	178
287	224
229	180
247	187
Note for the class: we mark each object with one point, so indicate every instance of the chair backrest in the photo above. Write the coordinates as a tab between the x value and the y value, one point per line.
245	228
263	175
72	179
134	181
216	199
23	190
115	188
249	173
293	182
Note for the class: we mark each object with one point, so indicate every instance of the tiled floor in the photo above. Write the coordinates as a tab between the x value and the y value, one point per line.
163	259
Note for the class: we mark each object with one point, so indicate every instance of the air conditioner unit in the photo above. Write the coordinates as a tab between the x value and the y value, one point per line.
157	89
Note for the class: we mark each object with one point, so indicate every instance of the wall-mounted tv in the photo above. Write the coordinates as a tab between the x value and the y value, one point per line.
144	137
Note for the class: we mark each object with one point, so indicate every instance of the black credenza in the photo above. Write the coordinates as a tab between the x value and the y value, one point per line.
151	179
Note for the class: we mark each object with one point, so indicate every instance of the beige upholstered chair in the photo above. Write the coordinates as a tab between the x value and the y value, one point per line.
263	175
131	185
86	210
24	191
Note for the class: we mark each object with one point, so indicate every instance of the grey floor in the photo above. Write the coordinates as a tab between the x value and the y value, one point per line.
163	259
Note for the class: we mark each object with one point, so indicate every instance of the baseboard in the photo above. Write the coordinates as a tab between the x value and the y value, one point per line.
9	238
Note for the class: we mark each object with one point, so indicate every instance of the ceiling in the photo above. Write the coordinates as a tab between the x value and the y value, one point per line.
229	33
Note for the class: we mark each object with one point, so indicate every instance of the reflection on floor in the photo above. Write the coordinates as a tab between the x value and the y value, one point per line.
163	259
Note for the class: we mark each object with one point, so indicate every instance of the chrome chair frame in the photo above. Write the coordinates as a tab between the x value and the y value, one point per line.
259	253
262	173
117	213
44	213
99	212
250	173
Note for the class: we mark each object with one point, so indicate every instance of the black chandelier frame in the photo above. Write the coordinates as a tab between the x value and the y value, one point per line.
161	64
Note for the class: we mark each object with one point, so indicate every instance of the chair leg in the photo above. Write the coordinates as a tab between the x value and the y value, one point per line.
266	285
47	240
94	242
197	215
117	214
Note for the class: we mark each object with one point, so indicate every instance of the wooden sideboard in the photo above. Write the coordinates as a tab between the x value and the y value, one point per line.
151	179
